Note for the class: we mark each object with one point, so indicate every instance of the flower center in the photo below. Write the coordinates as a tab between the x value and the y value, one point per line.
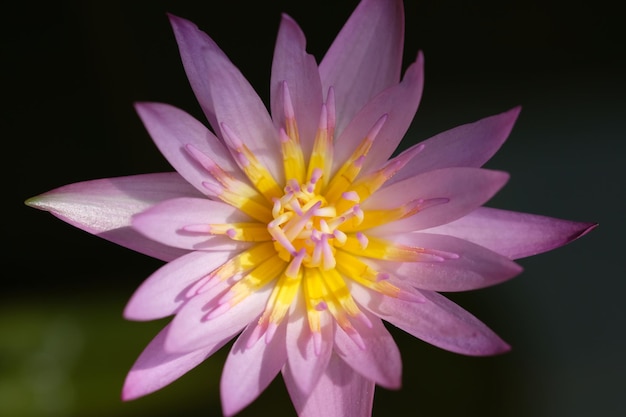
305	227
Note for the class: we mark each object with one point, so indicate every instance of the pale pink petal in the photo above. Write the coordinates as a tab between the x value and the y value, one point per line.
399	104
193	329
380	360
249	370
513	234
365	57
104	207
469	145
298	69
445	195
166	223
436	320
165	290
457	265
340	392
155	368
304	364
172	129
225	95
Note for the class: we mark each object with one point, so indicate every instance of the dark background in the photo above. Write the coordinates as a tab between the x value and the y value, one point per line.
71	71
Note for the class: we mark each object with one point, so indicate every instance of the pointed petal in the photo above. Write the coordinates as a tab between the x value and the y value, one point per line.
379	361
155	368
296	67
437	321
340	392
304	365
165	223
469	145
399	103
163	293
192	330
513	234
467	267
104	207
172	129
365	58
248	371
464	189
225	95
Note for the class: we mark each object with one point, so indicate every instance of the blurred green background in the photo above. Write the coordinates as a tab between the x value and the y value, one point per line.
71	71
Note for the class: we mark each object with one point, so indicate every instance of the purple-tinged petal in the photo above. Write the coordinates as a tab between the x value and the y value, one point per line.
104	207
225	95
513	234
440	196
340	392
457	265
469	145
249	370
172	129
380	360
304	365
192	329
436	320
162	294
166	222
291	64
399	103
365	58
155	368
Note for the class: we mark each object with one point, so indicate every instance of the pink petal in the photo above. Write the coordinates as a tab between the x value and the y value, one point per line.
155	368
467	266
163	293
512	234
172	129
104	207
341	392
225	95
399	103
455	191
166	222
192	330
469	145
379	361
248	371
291	64
437	321
365	58
304	365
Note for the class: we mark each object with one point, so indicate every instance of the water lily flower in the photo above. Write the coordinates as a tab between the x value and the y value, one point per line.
296	232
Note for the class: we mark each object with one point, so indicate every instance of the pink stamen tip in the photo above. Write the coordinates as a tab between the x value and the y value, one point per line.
287	103
196	288
213	188
198	228
321	306
356	337
382	276
231	233
371	135
257	333
351	196
295	264
271	331
359	161
218	311
231	136
317	343
363	319
316	175
284	137
363	240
